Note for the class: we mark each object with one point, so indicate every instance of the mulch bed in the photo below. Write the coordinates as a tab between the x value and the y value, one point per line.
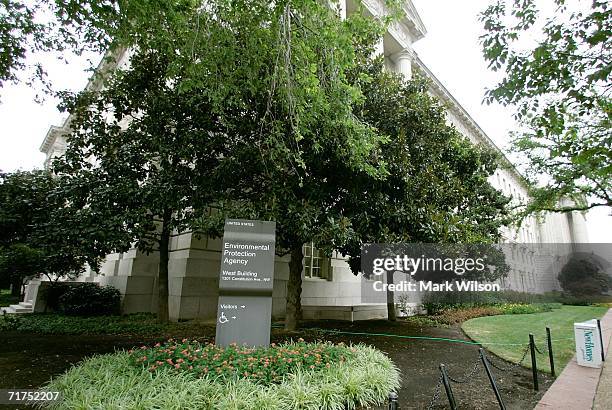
29	360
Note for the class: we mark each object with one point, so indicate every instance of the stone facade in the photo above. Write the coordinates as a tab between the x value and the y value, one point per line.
195	261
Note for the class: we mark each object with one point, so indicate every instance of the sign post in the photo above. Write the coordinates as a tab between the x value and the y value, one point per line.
246	280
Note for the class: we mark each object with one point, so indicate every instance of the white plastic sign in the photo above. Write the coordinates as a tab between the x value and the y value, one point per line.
588	347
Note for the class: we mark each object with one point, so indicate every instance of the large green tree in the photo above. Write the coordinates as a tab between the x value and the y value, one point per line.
423	181
556	68
437	188
31	31
154	160
303	134
46	231
28	30
240	103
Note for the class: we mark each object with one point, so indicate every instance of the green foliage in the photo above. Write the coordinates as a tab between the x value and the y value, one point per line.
508	335
82	299
232	105
436	190
456	315
138	324
44	229
364	379
260	365
19	261
89	299
436	302
423	321
506	302
9	322
7	299
30	29
561	89
520	308
582	277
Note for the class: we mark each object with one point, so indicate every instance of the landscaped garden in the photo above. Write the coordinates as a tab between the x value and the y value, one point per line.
105	360
507	335
189	374
30	357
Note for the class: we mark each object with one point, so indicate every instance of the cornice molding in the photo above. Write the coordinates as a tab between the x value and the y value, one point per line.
413	21
457	109
50	138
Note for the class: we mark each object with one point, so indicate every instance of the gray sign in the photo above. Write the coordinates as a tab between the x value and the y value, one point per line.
246	280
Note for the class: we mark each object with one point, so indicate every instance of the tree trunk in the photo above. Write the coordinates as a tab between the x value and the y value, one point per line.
294	289
390	299
162	282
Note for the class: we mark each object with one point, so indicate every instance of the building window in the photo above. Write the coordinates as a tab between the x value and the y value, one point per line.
316	265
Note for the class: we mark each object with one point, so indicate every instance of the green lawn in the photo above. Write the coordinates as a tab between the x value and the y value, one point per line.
6	299
516	328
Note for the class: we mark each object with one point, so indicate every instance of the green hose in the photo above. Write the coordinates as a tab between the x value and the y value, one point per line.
436	339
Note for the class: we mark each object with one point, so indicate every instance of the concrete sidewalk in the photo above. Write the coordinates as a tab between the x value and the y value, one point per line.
578	387
603	397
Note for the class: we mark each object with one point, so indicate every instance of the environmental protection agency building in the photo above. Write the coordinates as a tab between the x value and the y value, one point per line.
329	290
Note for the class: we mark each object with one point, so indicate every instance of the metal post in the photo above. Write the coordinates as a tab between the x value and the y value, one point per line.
393	403
534	364
485	362
447	387
603	356
551	359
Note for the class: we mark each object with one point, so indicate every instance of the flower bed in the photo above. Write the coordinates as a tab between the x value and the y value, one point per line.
185	375
263	365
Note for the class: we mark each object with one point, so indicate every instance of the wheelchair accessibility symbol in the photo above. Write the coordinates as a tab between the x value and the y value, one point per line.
222	318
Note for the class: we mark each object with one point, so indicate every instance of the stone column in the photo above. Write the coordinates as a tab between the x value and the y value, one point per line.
379	49
403	62
342	8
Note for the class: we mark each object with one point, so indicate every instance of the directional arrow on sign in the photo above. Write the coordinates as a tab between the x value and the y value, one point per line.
233	317
243	306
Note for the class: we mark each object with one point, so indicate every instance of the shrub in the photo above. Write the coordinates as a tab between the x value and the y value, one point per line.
365	378
582	277
83	299
9	322
438	302
458	315
519	309
143	324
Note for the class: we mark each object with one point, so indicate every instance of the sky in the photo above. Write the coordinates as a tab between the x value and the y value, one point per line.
450	49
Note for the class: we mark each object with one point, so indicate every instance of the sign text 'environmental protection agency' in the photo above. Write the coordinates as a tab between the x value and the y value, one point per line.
246	280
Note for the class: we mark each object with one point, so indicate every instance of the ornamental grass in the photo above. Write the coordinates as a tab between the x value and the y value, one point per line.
191	375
